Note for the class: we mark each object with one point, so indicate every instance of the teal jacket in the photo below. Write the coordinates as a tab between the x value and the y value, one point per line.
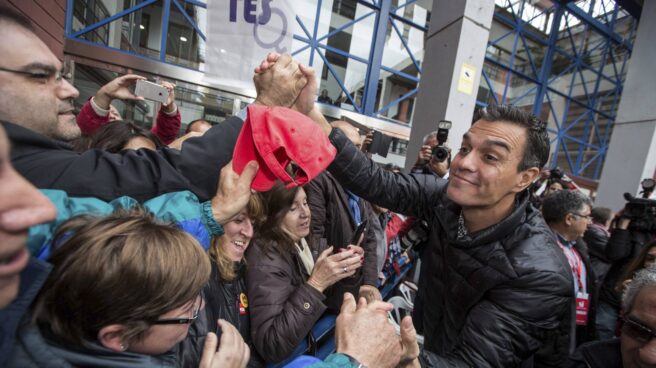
180	208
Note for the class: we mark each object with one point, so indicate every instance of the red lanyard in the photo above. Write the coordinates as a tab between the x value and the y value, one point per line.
575	262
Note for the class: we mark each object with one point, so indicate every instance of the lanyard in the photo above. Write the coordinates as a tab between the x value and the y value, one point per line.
575	263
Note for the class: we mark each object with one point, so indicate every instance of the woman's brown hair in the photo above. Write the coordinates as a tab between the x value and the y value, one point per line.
255	211
123	269
271	237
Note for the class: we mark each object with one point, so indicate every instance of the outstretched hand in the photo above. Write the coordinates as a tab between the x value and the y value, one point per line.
234	192
304	103
364	333
280	83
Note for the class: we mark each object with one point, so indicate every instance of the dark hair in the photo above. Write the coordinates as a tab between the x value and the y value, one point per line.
126	268
536	150
601	215
191	123
11	15
271	237
115	135
557	205
562	183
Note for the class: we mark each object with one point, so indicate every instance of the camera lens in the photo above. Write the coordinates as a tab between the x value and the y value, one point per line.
440	153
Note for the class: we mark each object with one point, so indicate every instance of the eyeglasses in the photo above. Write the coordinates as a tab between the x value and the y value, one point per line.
587	217
56	76
182	321
637	330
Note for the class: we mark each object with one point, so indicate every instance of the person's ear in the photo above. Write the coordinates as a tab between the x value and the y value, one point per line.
112	338
569	219
526	178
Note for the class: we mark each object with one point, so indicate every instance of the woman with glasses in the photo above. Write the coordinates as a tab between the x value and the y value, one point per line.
285	282
123	291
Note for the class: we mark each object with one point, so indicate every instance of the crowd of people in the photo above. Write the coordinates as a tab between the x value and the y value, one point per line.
224	246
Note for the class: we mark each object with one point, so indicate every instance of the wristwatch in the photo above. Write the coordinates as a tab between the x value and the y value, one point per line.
354	361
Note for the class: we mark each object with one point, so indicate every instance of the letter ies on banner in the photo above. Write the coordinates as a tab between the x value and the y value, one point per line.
240	33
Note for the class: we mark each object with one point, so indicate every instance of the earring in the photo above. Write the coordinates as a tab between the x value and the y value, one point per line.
123	347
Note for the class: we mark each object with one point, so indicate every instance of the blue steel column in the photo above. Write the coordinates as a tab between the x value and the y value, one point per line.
166	13
376	58
545	71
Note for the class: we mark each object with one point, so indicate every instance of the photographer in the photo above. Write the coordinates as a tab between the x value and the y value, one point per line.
426	163
632	228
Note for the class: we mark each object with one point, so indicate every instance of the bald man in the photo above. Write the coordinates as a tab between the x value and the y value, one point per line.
336	213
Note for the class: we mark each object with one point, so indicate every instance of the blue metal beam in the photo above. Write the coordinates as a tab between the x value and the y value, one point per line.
109	19
596	25
376	58
196	3
189	20
166	14
69	17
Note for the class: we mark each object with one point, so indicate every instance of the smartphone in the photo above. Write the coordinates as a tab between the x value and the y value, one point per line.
358	232
151	91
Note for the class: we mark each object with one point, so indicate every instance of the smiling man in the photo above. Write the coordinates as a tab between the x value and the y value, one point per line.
494	284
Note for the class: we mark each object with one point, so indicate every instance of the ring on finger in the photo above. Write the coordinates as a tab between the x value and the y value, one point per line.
345	269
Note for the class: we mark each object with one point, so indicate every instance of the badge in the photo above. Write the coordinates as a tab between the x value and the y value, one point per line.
243	303
582	306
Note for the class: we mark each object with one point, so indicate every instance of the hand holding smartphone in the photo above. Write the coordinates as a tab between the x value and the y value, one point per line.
151	91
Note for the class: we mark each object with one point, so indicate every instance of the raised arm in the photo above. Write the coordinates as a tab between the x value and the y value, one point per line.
414	194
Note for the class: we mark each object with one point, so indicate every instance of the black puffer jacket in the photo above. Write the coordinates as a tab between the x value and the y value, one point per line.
225	300
490	299
332	220
596	238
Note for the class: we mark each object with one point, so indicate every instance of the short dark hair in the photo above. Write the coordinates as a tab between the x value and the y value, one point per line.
115	135
191	123
11	15
536	150
557	205
601	215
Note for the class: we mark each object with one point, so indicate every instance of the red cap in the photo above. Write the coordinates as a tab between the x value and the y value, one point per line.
276	136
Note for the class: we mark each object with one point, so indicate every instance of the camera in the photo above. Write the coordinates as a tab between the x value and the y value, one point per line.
641	211
440	152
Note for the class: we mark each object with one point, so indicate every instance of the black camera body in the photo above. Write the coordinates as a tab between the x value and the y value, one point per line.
440	152
641	211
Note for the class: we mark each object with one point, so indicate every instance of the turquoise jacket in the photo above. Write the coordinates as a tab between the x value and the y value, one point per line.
180	208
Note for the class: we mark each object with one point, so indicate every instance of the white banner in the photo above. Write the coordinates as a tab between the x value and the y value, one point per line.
240	35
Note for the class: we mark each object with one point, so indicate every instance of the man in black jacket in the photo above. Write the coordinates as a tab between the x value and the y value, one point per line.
596	238
495	285
36	111
567	212
336	213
